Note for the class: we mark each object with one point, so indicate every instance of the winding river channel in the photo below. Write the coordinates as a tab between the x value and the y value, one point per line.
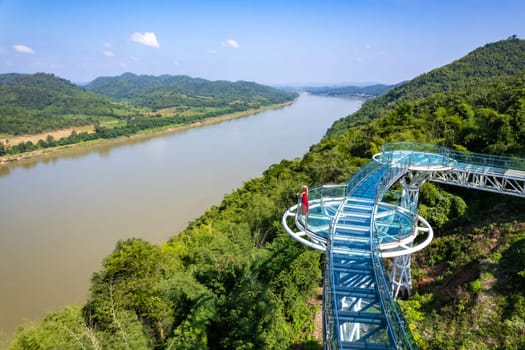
59	217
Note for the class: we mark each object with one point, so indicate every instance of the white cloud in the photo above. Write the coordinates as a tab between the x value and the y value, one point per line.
23	49
230	43
108	53
146	38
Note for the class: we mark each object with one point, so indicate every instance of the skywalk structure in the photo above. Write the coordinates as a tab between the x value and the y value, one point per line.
358	229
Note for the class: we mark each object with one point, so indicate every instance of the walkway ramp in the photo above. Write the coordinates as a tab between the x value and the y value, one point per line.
353	226
357	319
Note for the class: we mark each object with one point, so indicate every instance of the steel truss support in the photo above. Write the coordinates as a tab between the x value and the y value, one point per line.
400	276
411	183
351	331
512	182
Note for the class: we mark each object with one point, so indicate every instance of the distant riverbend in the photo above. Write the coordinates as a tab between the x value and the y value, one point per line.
60	215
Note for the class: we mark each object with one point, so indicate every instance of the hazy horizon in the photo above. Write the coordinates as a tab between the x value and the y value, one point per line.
270	42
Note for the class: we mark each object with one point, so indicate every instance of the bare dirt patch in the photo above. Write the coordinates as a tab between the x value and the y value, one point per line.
317	299
57	135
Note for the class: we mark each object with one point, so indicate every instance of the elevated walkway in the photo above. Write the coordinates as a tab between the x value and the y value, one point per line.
357	230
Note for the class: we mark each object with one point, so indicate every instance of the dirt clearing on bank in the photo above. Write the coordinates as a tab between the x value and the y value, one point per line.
57	135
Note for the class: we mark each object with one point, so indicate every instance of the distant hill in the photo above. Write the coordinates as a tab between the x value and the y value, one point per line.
361	91
505	58
166	91
33	103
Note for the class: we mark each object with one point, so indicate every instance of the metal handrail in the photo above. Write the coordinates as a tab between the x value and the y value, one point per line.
397	326
331	321
327	191
471	158
319	195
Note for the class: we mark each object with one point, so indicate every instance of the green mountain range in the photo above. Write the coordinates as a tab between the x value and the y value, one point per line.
165	91
234	279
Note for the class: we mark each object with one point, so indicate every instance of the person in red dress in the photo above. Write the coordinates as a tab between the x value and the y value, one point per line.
304	200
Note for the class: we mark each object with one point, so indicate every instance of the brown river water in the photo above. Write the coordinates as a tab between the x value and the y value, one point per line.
60	216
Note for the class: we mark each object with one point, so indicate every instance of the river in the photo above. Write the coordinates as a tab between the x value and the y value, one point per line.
59	217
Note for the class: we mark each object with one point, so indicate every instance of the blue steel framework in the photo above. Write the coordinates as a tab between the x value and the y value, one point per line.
357	230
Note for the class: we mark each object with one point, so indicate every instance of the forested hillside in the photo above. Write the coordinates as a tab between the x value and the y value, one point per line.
234	280
34	103
167	91
462	78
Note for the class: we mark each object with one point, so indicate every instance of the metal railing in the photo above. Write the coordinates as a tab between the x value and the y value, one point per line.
319	199
396	167
398	328
451	157
327	191
331	321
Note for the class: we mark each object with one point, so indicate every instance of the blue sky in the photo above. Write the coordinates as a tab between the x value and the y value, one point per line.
270	42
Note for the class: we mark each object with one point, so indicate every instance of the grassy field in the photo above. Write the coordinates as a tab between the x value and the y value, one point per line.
188	111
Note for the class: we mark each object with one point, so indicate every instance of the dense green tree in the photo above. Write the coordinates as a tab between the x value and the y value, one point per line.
131	282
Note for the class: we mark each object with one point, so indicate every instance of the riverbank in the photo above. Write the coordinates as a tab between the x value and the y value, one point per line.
63	214
7	160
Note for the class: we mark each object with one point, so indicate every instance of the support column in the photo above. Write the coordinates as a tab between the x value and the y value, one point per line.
400	276
411	183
